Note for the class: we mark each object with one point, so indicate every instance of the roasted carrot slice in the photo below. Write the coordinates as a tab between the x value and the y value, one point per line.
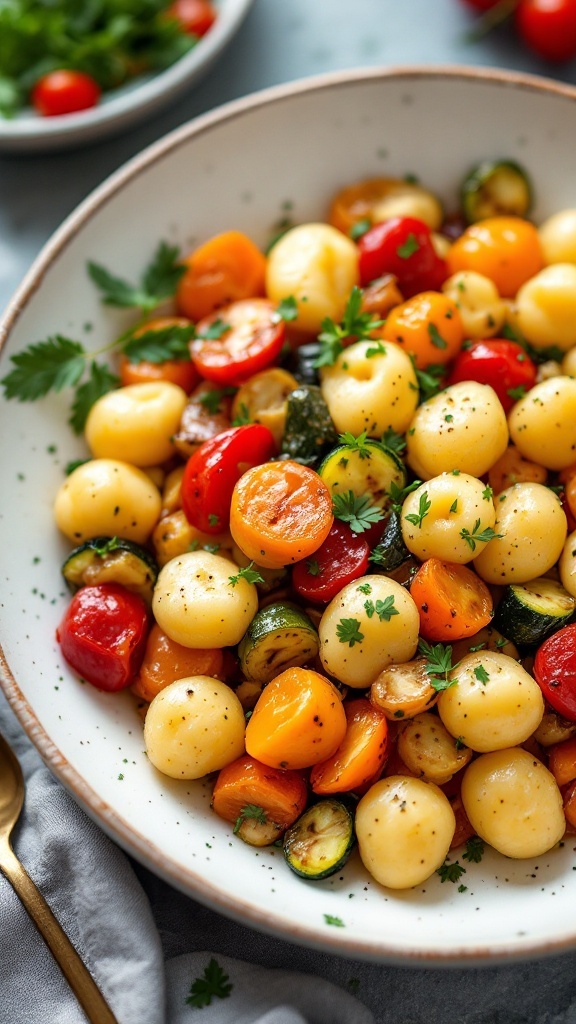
165	661
562	761
247	788
281	513
361	755
453	601
225	268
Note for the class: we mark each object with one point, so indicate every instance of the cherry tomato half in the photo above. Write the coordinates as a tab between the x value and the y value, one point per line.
213	470
555	671
341	558
238	340
548	27
502	364
64	92
196	17
103	635
401	246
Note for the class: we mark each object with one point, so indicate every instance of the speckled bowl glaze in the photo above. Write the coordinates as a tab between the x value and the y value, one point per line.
243	166
132	103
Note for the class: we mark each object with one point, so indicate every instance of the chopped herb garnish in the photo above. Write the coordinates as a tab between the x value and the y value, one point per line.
356	510
383	609
459	743
451	872
111	545
398	494
430	380
424	506
348	632
71	466
216	330
474	850
364	588
487	493
100	381
393	441
247	573
157	346
436	338
462	888
454	505
336	921
408	247
242	416
215	983
252	812
212	400
356	444
313	567
359	228
478	536
158	282
287	309
213	519
481	674
438	665
355	324
516	393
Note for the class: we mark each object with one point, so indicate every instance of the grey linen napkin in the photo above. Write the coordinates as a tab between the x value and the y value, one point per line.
95	894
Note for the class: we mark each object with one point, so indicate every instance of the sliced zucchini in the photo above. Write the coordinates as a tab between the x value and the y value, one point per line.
321	840
368	469
530	612
390	552
111	560
308	431
496	187
280	636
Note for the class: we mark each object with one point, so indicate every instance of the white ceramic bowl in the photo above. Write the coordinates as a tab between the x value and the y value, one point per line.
238	167
133	103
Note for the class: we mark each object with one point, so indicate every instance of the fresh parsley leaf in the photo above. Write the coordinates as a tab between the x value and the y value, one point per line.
478	536
436	338
111	545
242	416
424	506
462	888
430	380
378	349
359	228
451	872
364	588
393	441
356	444
438	665
100	381
487	493
252	811
161	277
215	330
384	609
117	292
156	346
45	366
516	393
348	632
287	309
212	400
454	505
71	466
214	983
336	921
213	519
398	494
474	850
481	674
356	510
408	247
355	324
247	573
313	567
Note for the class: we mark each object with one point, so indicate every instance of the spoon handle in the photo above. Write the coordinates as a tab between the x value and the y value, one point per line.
76	973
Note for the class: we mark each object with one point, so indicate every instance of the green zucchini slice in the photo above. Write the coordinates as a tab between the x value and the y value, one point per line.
280	636
308	431
390	552
494	188
321	840
530	612
111	560
370	469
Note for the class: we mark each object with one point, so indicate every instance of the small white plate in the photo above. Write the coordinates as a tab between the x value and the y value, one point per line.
132	103
242	167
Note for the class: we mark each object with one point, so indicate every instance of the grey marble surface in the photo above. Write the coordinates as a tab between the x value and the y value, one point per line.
282	40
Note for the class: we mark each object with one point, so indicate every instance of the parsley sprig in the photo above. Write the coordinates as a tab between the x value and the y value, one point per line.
478	536
383	609
393	441
158	282
355	324
348	632
357	510
451	872
438	664
250	812
214	983
398	494
356	444
424	506
247	573
474	850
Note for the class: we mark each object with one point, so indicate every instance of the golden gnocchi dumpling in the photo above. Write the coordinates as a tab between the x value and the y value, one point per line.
546	307
543	423
194	726
107	498
448	517
404	828
316	265
530	533
373	387
371	623
201	601
558	237
136	423
567	564
492	703
482	311
513	803
463	427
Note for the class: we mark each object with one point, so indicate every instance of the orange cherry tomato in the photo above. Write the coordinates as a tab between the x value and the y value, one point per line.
505	249
562	761
281	512
282	795
452	600
512	468
428	327
361	755
226	268
297	722
165	661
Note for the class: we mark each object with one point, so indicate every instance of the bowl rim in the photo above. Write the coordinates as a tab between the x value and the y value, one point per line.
128	103
109	820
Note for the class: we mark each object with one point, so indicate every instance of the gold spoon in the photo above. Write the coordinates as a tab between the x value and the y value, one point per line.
77	975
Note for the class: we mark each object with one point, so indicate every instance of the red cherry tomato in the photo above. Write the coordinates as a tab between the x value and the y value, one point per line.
341	558
548	27
195	16
212	471
481	5
64	92
103	635
401	246
238	340
502	364
555	671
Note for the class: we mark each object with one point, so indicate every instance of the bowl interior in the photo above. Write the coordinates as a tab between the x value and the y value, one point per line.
283	153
